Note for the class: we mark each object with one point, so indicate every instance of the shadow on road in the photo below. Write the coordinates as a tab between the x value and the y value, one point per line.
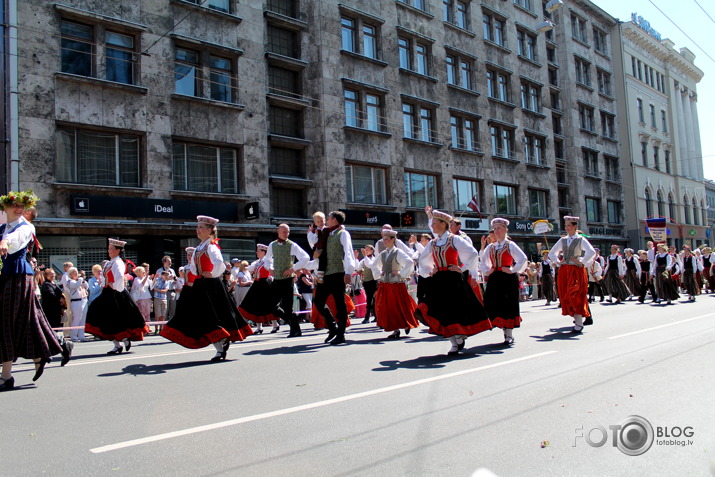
439	361
563	333
143	369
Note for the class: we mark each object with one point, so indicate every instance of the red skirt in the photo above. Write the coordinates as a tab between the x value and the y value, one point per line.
317	319
573	289
394	307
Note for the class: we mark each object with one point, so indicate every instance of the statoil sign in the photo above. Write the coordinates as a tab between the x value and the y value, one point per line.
645	25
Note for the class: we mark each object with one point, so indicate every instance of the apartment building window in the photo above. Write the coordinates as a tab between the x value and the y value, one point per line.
287	202
641	117
494	28
686	209
190	70
614	212
561	175
498	85
284	7
464	191
583	71
551	54
420	189
459	71
505	199
585	117
366	185
559	149
531	97
656	158
661	204
526	4
218	5
538	203
604	82
283	42
663	121
284	161
284	81
599	41
456	12
285	122
608	125
526	45
364	109
644	153
359	37
502	141
634	67
590	163
556	124
613	168
464	132
671	206
534	149
418	122
78	46
97	158
555	100
414	56
593	209
653	124
204	168
696	214
578	28
418	4
666	159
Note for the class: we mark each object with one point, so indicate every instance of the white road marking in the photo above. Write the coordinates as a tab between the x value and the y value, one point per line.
658	327
305	407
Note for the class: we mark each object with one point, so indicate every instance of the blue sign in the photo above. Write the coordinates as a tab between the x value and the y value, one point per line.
645	25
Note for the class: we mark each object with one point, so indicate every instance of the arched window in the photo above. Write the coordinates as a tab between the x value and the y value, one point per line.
661	205
686	210
648	205
696	213
704	211
671	206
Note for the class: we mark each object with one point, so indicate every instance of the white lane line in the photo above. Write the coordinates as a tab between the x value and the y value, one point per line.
660	326
305	407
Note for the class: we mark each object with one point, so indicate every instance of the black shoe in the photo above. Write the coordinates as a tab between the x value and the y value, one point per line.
226	346
67	348
338	340
460	346
127	345
577	330
8	384
508	341
588	321
218	356
374	320
116	350
295	334
40	368
258	332
366	321
275	329
331	334
394	336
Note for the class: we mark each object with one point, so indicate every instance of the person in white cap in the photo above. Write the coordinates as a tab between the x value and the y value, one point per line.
633	272
260	304
114	315
394	307
613	276
449	306
209	316
502	262
572	281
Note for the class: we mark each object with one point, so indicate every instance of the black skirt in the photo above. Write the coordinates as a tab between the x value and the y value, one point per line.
205	313
501	299
548	287
450	307
260	303
114	315
615	286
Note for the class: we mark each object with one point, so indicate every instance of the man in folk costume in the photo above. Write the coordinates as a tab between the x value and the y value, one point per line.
690	267
339	269
284	257
572	282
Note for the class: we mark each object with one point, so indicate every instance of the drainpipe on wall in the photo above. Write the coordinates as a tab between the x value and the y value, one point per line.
13	119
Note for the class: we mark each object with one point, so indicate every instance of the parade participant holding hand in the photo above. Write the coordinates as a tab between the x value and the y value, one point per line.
502	262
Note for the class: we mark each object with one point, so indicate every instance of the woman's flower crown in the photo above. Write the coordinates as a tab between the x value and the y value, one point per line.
25	198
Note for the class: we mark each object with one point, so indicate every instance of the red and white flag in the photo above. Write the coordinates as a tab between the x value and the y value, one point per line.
474	205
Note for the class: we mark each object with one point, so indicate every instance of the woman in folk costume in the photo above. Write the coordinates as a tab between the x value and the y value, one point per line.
546	276
691	266
707	271
633	272
208	316
572	281
502	262
260	304
114	315
394	307
24	329
368	281
613	276
449	305
661	270
646	280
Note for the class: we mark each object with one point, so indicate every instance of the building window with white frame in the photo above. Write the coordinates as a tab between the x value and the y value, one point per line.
613	168
599	41
614	212
502	141
498	85
534	150
651	109
464	191
456	12
418	122
97	158
464	132
505	199
593	209
530	97
578	28
583	71
364	109
590	163
418	4
420	189
608	125
218	5
414	55
359	36
202	168
494	28
663	121
366	184
526	45
204	75
641	117
604	82
538	203
586	117
459	70
525	4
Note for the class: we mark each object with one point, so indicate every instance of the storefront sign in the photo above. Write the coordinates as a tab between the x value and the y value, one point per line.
605	231
370	217
522	226
137	207
479	225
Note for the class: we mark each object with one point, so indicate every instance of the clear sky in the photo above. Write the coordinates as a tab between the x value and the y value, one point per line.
698	23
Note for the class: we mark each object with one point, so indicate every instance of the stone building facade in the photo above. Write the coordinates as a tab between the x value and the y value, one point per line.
135	116
661	151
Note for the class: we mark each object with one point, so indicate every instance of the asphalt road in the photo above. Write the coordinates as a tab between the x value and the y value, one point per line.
297	407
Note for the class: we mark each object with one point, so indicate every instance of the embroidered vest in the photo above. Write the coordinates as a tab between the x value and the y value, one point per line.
367	275
389	265
335	254
444	255
282	259
502	257
573	250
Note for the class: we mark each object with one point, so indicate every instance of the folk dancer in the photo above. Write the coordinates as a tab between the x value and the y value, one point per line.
502	262
368	281
114	315
633	272
707	270
450	307
209	315
613	276
572	282
595	275
394	307
690	267
260	304
664	285
546	276
646	280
